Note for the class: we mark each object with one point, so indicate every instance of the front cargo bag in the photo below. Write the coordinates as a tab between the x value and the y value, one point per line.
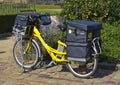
80	33
21	20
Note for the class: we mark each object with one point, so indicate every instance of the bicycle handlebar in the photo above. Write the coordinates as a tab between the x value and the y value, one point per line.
33	19
36	18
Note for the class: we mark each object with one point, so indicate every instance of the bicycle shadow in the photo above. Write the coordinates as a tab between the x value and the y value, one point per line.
106	69
100	72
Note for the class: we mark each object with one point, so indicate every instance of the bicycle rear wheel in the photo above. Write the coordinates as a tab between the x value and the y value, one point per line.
83	70
28	59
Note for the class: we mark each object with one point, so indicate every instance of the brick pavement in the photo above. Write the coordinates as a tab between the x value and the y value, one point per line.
10	73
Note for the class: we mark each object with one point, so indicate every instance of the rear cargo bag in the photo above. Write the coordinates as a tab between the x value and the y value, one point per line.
78	51
80	33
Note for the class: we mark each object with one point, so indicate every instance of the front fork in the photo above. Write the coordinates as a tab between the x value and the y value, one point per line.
96	46
28	46
19	37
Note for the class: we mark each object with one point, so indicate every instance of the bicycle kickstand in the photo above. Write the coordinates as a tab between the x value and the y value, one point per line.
50	64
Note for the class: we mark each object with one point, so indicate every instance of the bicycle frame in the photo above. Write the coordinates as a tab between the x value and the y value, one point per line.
52	52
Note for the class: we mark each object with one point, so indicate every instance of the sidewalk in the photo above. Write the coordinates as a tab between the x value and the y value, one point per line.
10	72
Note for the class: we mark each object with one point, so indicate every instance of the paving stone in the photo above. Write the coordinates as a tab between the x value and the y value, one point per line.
10	74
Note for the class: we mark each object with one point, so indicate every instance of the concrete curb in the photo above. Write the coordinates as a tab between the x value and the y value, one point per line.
5	35
109	66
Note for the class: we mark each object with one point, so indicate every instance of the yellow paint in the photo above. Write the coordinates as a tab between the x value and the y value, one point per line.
52	52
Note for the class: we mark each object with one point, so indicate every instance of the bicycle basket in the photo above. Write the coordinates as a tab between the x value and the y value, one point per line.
20	23
21	20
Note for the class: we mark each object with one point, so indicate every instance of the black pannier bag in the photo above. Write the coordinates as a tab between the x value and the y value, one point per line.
21	21
83	31
80	33
45	18
21	24
78	51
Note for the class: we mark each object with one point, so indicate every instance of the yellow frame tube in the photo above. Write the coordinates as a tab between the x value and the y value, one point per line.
28	45
52	52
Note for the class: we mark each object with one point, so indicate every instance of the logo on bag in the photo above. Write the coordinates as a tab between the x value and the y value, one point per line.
89	35
69	31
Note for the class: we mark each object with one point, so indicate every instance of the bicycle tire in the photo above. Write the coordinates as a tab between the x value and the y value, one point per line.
80	74
35	46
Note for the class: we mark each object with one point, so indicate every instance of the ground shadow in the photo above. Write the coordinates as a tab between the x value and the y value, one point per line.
1	52
100	72
105	69
65	69
5	36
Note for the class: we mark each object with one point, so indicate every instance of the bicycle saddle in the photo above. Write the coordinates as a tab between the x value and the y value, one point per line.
62	28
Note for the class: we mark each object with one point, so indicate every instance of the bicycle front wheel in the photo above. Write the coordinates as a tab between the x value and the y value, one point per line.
28	59
83	70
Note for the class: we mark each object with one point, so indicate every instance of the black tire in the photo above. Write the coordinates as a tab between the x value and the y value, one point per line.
25	60
82	67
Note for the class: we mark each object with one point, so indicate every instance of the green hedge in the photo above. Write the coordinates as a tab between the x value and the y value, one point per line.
103	11
6	23
96	10
110	42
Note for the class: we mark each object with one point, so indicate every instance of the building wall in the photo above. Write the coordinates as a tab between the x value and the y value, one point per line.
14	1
37	1
1	0
20	1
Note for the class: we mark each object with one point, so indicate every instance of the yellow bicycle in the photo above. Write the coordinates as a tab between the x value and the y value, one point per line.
27	48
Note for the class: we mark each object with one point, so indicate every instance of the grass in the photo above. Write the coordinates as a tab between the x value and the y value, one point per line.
6	9
37	6
52	9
